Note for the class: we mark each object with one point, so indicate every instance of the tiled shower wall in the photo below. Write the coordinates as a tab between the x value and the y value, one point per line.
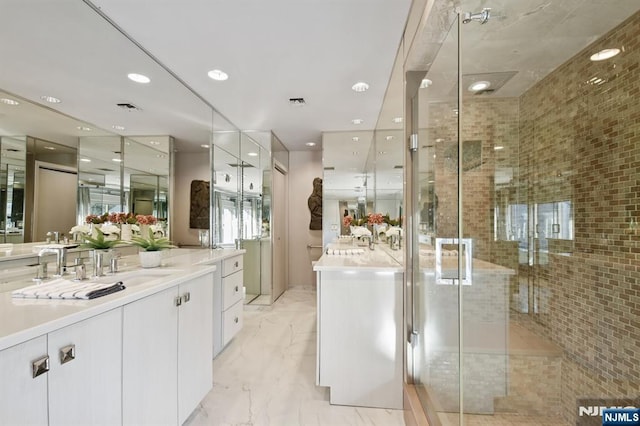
575	136
580	141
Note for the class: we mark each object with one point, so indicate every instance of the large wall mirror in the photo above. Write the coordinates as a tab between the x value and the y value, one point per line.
47	82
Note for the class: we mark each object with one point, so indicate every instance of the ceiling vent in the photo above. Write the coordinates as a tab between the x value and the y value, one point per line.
128	107
106	170
398	167
244	165
297	102
330	168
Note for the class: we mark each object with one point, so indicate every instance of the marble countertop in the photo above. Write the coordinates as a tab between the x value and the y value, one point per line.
24	319
370	260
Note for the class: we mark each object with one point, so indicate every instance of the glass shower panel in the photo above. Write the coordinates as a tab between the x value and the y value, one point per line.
436	290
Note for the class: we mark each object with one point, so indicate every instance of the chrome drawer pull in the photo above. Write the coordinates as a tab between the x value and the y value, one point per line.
40	366
68	353
236	289
186	297
236	264
178	301
235	320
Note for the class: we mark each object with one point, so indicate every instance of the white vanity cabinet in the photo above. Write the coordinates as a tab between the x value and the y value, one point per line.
23	398
77	371
167	352
227	302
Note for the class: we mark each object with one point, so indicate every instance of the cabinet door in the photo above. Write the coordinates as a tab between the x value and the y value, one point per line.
195	344
86	368
150	359
23	398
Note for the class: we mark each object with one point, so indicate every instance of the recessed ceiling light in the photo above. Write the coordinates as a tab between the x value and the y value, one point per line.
138	78
252	154
9	101
425	83
85	160
117	127
117	160
604	54
154	143
204	146
50	148
397	120
479	85
310	144
355	152
355	139
84	128
218	75
357	121
388	138
382	152
360	86
50	99
498	148
161	156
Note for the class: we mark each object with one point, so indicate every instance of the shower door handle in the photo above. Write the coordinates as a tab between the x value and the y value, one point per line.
467	243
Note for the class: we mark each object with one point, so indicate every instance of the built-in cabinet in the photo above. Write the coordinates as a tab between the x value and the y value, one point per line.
69	376
227	302
145	362
167	352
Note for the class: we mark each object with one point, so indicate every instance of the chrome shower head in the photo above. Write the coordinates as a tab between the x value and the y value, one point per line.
481	17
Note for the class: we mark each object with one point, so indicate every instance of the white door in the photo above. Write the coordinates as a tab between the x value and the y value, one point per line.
56	189
86	368
150	359
23	398
280	221
195	344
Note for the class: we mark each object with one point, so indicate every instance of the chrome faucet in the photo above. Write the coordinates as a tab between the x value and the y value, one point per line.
61	259
394	242
370	238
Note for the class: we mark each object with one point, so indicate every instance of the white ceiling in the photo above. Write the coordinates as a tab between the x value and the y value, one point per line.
272	51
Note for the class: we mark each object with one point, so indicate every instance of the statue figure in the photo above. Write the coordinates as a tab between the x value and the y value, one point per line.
315	205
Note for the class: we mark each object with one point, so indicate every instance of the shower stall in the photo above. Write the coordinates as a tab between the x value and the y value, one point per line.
524	292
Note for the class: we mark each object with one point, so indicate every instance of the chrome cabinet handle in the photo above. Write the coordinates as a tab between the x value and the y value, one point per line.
178	301
40	366
186	297
237	289
236	264
235	320
68	353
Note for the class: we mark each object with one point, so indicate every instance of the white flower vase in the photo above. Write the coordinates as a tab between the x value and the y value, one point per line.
144	230
94	230
126	232
150	259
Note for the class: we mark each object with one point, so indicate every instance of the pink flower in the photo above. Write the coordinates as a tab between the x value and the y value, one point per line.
346	221
375	218
146	219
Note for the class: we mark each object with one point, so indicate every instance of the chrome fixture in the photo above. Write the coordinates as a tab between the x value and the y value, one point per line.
61	260
481	17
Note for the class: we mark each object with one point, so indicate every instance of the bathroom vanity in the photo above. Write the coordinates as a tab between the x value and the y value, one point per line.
139	356
360	323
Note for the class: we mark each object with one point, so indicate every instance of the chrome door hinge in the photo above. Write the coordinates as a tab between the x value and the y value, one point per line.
413	338
413	142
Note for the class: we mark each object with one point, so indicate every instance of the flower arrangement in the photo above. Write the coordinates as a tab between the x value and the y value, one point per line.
151	243
99	242
123	218
97	219
147	219
369	219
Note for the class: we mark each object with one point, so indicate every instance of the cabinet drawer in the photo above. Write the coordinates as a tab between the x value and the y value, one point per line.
231	322
231	265
232	289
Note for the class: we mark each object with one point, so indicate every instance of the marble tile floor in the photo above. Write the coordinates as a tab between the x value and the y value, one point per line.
266	376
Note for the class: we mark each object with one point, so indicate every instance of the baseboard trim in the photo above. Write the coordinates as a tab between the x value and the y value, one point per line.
414	415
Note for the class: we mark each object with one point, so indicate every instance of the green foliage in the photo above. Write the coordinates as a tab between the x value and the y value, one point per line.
151	243
99	242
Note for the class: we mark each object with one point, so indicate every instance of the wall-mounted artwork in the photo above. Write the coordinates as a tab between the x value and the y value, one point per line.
199	209
315	205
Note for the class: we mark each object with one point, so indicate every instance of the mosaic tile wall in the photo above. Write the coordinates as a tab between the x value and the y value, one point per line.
580	141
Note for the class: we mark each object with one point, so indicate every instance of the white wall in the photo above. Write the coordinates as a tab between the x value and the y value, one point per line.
304	166
188	166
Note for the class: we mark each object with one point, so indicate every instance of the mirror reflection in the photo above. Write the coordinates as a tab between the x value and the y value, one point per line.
12	187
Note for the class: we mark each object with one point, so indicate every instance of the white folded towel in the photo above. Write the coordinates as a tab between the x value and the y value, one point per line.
66	289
